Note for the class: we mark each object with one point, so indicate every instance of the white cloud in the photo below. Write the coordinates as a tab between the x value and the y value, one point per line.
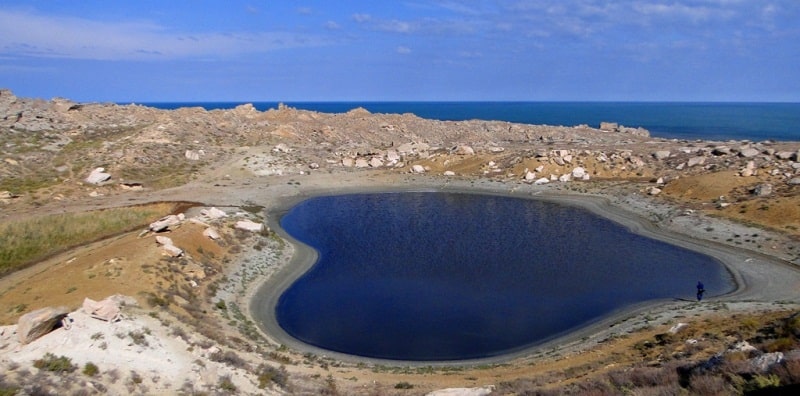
403	50
331	25
361	18
25	34
395	26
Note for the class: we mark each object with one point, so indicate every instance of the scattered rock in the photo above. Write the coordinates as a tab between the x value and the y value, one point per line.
677	327
464	150
249	225
695	161
579	173
449	173
281	148
162	240
166	222
742	346
479	391
609	126
764	362
107	309
213	213
653	191
748	152
98	176
211	233
375	162
392	156
749	169
661	154
172	250
541	181
721	150
762	190
193	155
35	324
418	169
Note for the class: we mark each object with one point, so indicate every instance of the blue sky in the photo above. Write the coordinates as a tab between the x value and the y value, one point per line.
294	50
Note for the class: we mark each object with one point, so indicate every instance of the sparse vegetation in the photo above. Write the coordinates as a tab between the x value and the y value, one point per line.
50	362
90	369
403	385
270	375
26	240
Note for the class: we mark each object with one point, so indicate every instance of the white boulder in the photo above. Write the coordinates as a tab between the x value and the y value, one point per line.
249	225
98	176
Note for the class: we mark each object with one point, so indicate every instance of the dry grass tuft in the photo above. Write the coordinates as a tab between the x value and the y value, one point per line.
27	240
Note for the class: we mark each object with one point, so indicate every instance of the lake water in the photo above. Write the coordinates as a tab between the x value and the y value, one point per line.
445	276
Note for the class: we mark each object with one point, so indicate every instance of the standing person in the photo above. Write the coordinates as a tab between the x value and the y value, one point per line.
700	290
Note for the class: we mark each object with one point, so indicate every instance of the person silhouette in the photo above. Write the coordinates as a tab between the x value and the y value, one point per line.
700	290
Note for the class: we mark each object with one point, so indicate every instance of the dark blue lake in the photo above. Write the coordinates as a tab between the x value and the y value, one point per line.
445	276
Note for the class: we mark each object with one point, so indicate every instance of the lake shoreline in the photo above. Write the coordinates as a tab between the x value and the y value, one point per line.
750	285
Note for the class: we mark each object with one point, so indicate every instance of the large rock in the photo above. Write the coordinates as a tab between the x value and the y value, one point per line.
418	169
579	173
107	309
763	190
375	162
695	161
748	152
249	225
162	240
35	324
98	176
609	126
213	213
392	156
211	233
165	223
661	154
479	391
764	362
464	150
172	250
193	155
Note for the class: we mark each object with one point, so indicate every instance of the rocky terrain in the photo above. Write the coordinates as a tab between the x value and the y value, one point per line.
188	278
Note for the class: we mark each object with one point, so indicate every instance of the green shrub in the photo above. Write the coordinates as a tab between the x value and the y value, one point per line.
268	374
403	385
226	385
90	369
50	362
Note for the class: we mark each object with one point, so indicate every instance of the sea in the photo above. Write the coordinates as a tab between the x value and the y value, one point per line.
672	120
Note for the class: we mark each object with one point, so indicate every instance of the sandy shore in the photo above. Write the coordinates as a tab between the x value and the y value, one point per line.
760	278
